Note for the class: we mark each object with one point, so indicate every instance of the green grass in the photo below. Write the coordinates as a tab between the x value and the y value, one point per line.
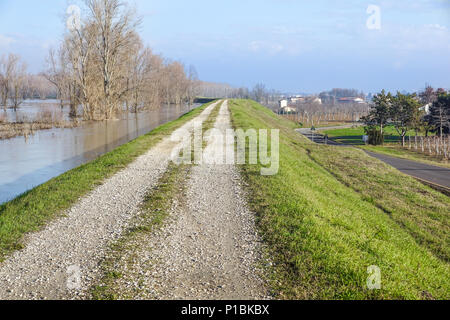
330	213
353	136
35	208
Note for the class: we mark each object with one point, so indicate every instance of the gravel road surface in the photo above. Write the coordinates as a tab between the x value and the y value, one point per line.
209	247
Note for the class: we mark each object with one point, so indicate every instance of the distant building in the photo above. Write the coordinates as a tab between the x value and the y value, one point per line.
313	99
286	110
309	99
350	100
426	108
283	103
296	99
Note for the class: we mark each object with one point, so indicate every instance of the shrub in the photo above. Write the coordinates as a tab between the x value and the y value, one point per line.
375	136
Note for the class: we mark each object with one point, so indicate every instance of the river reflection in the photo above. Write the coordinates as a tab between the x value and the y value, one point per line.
26	163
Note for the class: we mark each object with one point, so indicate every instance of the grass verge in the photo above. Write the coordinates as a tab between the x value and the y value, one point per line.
330	213
35	208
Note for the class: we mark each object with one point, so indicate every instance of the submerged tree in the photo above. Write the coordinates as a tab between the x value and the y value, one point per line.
107	69
12	80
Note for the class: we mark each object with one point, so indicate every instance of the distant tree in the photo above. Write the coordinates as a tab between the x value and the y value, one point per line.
440	113
429	95
375	136
260	92
427	124
193	83
380	110
404	113
14	80
56	73
3	83
9	72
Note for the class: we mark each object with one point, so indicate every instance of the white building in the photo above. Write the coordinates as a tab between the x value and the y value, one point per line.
426	108
287	109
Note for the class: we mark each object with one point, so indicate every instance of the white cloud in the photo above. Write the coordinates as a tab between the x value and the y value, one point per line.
5	41
266	47
436	26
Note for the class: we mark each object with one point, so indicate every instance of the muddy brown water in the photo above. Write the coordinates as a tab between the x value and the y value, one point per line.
28	162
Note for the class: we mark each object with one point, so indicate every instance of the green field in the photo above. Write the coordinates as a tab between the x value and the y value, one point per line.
32	210
353	136
331	212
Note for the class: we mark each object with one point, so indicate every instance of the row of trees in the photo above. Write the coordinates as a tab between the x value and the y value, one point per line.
13	79
258	93
314	114
103	66
428	112
16	84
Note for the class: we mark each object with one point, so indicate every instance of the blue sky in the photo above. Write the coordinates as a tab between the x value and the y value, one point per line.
290	45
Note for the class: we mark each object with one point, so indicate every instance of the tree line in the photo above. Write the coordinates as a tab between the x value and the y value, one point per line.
103	66
428	112
16	84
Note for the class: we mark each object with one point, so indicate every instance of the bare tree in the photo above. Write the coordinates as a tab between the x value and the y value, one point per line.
14	81
115	26
4	86
78	46
103	65
8	70
193	84
56	73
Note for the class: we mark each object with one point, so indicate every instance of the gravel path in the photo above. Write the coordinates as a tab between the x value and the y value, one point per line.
60	261
209	248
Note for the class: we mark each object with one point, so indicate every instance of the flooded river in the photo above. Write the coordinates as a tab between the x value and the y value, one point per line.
27	163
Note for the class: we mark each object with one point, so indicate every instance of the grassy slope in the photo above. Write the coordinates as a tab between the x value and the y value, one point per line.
391	148
332	212
32	210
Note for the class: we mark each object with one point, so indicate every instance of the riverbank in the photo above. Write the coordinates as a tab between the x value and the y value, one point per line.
26	129
35	208
331	213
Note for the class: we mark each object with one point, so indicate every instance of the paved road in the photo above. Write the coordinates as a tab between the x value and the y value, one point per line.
433	174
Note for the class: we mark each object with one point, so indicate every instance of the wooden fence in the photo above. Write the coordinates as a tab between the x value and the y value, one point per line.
436	146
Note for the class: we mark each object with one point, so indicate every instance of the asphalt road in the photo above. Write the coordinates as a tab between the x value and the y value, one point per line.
433	174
